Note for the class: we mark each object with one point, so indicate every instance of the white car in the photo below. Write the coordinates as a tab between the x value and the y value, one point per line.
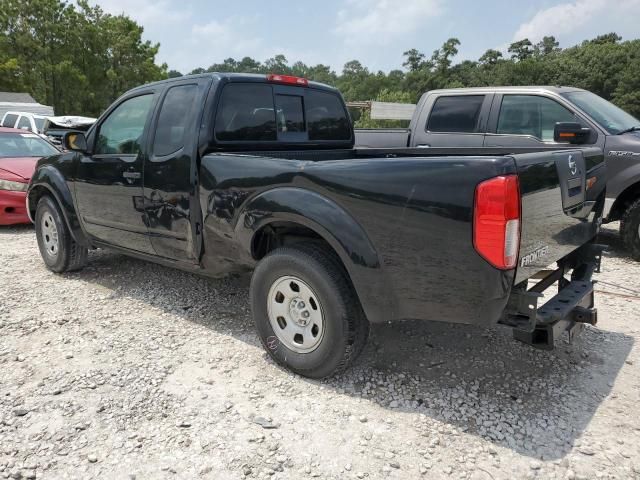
24	121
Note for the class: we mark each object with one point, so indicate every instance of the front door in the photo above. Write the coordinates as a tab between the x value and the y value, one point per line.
108	184
525	120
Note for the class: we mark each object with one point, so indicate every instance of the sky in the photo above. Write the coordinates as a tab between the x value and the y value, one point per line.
198	33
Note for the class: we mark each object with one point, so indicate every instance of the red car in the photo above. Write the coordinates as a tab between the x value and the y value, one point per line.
19	152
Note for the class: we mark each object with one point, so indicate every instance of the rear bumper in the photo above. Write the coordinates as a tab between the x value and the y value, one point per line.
568	311
12	208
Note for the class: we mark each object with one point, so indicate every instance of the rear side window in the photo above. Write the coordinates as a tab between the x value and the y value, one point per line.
326	117
9	120
456	114
251	112
175	114
246	113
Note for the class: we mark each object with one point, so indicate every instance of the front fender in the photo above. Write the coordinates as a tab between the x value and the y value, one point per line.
336	226
48	179
623	180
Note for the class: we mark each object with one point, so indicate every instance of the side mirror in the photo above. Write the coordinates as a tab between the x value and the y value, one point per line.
571	132
74	141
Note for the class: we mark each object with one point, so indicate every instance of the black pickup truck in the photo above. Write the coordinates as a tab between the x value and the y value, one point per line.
222	173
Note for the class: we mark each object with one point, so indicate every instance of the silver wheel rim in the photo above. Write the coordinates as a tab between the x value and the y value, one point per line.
295	314
49	234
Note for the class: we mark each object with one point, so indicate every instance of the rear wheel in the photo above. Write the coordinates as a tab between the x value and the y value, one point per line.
60	252
630	230
306	311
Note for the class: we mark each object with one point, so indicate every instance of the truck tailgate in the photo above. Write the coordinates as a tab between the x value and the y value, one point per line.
562	202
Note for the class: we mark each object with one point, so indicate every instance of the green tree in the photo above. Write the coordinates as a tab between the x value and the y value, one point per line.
521	50
72	56
490	57
547	46
414	60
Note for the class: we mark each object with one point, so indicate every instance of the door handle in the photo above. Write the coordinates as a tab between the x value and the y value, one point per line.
132	175
423	145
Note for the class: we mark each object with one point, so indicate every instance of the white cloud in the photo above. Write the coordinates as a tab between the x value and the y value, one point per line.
567	18
380	21
187	40
227	38
147	12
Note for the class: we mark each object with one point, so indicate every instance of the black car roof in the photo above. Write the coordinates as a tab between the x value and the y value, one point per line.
233	77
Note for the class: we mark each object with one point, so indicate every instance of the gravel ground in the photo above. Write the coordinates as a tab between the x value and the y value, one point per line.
132	370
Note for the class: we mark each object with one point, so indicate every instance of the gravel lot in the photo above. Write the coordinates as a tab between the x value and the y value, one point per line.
131	370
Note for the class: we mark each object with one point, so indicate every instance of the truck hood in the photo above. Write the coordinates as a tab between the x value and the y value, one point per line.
20	166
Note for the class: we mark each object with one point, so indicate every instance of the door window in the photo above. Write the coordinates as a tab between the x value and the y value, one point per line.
24	123
531	115
121	132
175	114
9	120
455	114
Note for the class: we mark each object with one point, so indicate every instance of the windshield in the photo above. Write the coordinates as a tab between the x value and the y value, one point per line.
39	123
606	114
24	145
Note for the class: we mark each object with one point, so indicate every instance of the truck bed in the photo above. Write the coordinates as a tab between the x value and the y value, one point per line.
416	212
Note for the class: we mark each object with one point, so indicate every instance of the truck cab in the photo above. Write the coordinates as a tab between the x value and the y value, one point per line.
525	118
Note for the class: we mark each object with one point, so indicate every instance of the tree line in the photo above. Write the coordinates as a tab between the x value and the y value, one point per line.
605	65
79	59
72	56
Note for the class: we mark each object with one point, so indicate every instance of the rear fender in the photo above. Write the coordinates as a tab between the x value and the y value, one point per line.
336	227
48	180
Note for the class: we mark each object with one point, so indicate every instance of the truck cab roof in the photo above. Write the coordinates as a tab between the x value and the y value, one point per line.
507	89
232	77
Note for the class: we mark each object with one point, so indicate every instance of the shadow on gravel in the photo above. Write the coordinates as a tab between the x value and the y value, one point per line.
15	229
479	381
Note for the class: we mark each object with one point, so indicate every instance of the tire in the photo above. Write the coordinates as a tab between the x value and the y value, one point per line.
630	230
325	292
60	252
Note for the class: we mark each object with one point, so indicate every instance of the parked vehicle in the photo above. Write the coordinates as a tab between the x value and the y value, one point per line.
19	152
525	117
220	173
56	127
30	122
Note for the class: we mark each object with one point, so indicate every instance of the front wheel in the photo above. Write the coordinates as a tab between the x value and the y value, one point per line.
306	311
630	230
60	252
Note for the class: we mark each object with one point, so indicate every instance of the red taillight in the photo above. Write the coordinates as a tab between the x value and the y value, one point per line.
496	221
288	79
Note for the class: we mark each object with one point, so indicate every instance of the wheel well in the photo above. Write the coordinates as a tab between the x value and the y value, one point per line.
279	234
624	200
34	197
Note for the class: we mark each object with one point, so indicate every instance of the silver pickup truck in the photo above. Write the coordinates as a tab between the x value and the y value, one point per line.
531	118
